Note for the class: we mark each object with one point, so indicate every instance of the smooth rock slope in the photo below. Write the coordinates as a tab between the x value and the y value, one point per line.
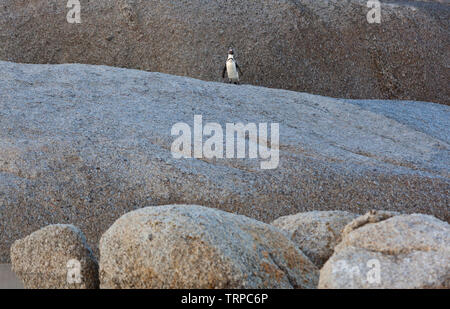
325	47
84	144
189	246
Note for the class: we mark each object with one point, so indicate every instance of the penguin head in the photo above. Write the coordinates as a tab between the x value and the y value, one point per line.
231	51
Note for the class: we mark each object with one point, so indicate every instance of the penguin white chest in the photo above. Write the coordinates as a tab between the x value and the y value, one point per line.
232	70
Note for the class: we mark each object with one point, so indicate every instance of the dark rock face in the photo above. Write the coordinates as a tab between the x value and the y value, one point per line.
320	47
83	144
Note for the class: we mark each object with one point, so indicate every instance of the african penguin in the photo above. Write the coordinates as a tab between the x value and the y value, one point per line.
232	68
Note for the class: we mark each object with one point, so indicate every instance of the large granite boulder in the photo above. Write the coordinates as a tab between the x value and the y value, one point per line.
85	144
325	47
404	251
316	233
55	257
188	246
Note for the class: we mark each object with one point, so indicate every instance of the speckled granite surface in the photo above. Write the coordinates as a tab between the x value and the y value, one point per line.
84	144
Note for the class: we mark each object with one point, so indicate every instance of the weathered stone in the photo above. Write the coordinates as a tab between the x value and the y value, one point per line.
404	251
187	246
83	145
55	257
372	216
315	46
316	233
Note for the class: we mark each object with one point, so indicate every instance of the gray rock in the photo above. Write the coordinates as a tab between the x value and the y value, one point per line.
404	251
84	144
188	246
316	233
372	216
325	47
55	257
